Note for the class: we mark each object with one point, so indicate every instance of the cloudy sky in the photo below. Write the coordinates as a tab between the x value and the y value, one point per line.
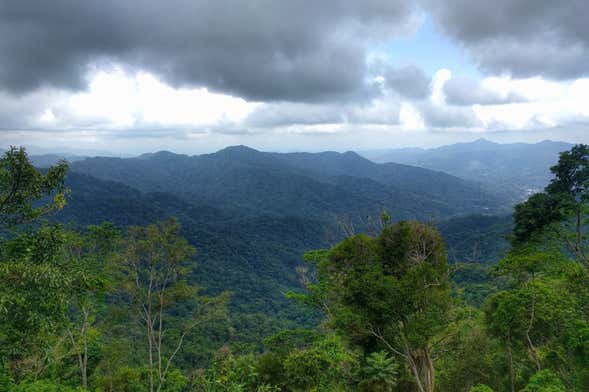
130	76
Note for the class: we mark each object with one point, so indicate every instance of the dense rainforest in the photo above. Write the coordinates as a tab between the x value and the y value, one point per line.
122	275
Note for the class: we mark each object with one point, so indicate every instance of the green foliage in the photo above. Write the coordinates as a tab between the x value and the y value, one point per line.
21	185
252	216
233	374
323	365
43	386
36	287
6	381
326	366
562	211
396	316
473	282
391	292
533	216
538	317
135	379
476	239
124	379
480	388
470	355
154	265
35	282
379	374
545	381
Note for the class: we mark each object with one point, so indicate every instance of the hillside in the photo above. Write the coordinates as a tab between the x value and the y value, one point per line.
307	185
519	169
253	257
252	215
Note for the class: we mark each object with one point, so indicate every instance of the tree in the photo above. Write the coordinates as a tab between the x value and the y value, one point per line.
34	280
470	356
155	263
390	292
90	255
537	317
34	294
21	186
562	210
545	381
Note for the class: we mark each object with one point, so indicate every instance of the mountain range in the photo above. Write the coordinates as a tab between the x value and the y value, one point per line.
253	214
515	170
326	185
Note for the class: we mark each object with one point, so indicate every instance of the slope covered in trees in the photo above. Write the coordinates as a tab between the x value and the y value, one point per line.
253	255
295	184
107	308
252	215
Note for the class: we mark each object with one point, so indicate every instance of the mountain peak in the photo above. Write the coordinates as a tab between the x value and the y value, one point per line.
352	156
163	154
239	149
244	155
482	142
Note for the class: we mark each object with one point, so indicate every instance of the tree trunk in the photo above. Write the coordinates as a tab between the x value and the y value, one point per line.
425	369
511	370
533	350
84	361
150	358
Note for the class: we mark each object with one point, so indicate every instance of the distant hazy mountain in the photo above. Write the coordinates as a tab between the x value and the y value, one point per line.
318	185
47	160
515	169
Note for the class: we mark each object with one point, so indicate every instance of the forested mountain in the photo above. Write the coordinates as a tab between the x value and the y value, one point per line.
518	169
236	245
297	184
113	302
253	256
252	215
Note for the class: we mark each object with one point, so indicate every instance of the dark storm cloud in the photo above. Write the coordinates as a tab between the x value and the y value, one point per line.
410	81
21	112
258	49
520	37
465	91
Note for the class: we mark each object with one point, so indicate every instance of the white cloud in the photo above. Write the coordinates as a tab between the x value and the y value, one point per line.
440	78
116	100
517	104
549	104
410	117
119	106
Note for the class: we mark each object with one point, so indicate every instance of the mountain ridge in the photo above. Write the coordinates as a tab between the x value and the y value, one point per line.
247	178
519	169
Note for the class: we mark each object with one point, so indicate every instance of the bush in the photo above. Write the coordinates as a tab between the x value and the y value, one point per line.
545	381
480	388
43	386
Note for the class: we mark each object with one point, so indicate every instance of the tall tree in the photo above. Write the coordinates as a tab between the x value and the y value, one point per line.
90	256
562	210
33	280
538	317
390	292
34	292
156	261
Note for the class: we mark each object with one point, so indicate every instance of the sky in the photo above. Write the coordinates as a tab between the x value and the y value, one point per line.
193	76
